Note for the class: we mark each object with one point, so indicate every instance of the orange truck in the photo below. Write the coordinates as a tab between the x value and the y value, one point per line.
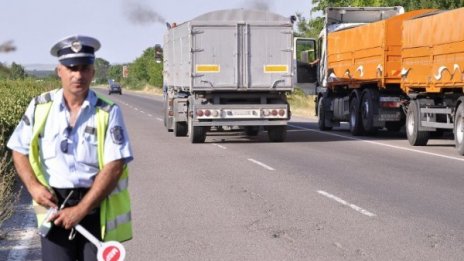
381	67
433	76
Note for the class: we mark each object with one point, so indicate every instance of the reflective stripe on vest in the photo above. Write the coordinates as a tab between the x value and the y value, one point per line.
115	211
119	220
122	185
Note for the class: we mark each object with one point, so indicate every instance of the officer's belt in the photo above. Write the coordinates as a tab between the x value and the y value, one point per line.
74	199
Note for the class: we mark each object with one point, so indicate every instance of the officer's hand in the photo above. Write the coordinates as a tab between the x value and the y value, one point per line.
43	196
69	217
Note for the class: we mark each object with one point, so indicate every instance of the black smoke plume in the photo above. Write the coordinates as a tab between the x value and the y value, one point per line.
140	14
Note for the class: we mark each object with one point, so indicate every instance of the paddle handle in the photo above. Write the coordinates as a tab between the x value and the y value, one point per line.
88	235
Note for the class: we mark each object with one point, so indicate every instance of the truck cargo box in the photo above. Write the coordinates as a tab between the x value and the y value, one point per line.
244	50
433	52
369	53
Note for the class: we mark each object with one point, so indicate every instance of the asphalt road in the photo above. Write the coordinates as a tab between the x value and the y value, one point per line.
317	196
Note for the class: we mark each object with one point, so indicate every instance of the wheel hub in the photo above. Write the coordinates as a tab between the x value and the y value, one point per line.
410	126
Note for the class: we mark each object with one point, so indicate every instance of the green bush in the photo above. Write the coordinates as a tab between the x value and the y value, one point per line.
15	96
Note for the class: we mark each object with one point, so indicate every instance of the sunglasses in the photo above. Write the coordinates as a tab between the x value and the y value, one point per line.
64	145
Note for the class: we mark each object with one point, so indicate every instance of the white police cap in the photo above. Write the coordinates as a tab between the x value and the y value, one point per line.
76	50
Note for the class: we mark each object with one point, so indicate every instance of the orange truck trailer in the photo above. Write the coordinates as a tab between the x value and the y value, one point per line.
433	76
381	67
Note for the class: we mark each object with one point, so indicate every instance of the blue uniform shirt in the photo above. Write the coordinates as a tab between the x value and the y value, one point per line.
78	165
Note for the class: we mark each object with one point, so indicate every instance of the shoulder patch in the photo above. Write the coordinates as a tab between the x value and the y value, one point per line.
117	134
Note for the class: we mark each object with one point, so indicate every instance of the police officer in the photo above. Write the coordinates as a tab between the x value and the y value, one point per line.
71	142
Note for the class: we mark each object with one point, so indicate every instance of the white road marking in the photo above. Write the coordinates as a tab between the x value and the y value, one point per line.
20	250
159	119
142	112
380	144
150	115
219	146
261	164
136	109
300	130
345	203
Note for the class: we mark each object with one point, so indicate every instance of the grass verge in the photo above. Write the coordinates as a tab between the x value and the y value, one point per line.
302	104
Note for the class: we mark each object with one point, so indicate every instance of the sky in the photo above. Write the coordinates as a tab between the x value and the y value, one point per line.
125	28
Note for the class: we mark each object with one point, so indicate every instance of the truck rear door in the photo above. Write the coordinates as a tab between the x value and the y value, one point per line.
214	57
268	57
243	56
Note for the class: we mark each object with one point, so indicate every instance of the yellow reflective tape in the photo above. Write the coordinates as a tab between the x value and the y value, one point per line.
208	68
275	68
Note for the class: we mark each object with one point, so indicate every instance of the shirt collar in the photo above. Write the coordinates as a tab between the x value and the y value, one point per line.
90	100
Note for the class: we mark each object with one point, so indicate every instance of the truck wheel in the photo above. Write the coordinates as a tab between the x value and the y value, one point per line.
415	137
277	133
367	111
180	129
197	134
321	114
356	128
459	129
252	131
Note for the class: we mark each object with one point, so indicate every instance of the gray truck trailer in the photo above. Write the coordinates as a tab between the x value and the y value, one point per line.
228	70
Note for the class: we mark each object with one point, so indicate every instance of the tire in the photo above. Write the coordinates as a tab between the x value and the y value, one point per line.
322	116
180	129
277	133
367	111
356	127
458	129
197	134
415	137
252	131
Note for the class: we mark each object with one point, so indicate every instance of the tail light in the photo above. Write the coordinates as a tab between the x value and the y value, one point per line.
390	102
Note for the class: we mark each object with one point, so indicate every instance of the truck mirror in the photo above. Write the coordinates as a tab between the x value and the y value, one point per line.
306	60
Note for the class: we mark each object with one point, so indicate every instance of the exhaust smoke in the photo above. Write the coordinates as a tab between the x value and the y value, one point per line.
258	4
140	14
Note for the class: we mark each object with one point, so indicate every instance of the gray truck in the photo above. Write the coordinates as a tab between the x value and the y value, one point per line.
228	70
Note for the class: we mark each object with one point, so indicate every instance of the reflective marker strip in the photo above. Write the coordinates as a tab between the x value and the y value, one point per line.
208	68
275	68
122	185
119	220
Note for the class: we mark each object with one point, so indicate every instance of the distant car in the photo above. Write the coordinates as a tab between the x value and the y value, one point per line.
114	87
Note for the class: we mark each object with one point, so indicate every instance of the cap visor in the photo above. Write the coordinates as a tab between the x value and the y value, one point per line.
77	61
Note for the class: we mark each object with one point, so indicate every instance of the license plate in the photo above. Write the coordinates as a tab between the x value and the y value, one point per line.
242	113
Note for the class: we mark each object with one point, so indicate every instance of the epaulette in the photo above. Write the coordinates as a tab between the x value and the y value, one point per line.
104	104
44	98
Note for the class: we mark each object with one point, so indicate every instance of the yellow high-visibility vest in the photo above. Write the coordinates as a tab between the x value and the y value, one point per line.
115	209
